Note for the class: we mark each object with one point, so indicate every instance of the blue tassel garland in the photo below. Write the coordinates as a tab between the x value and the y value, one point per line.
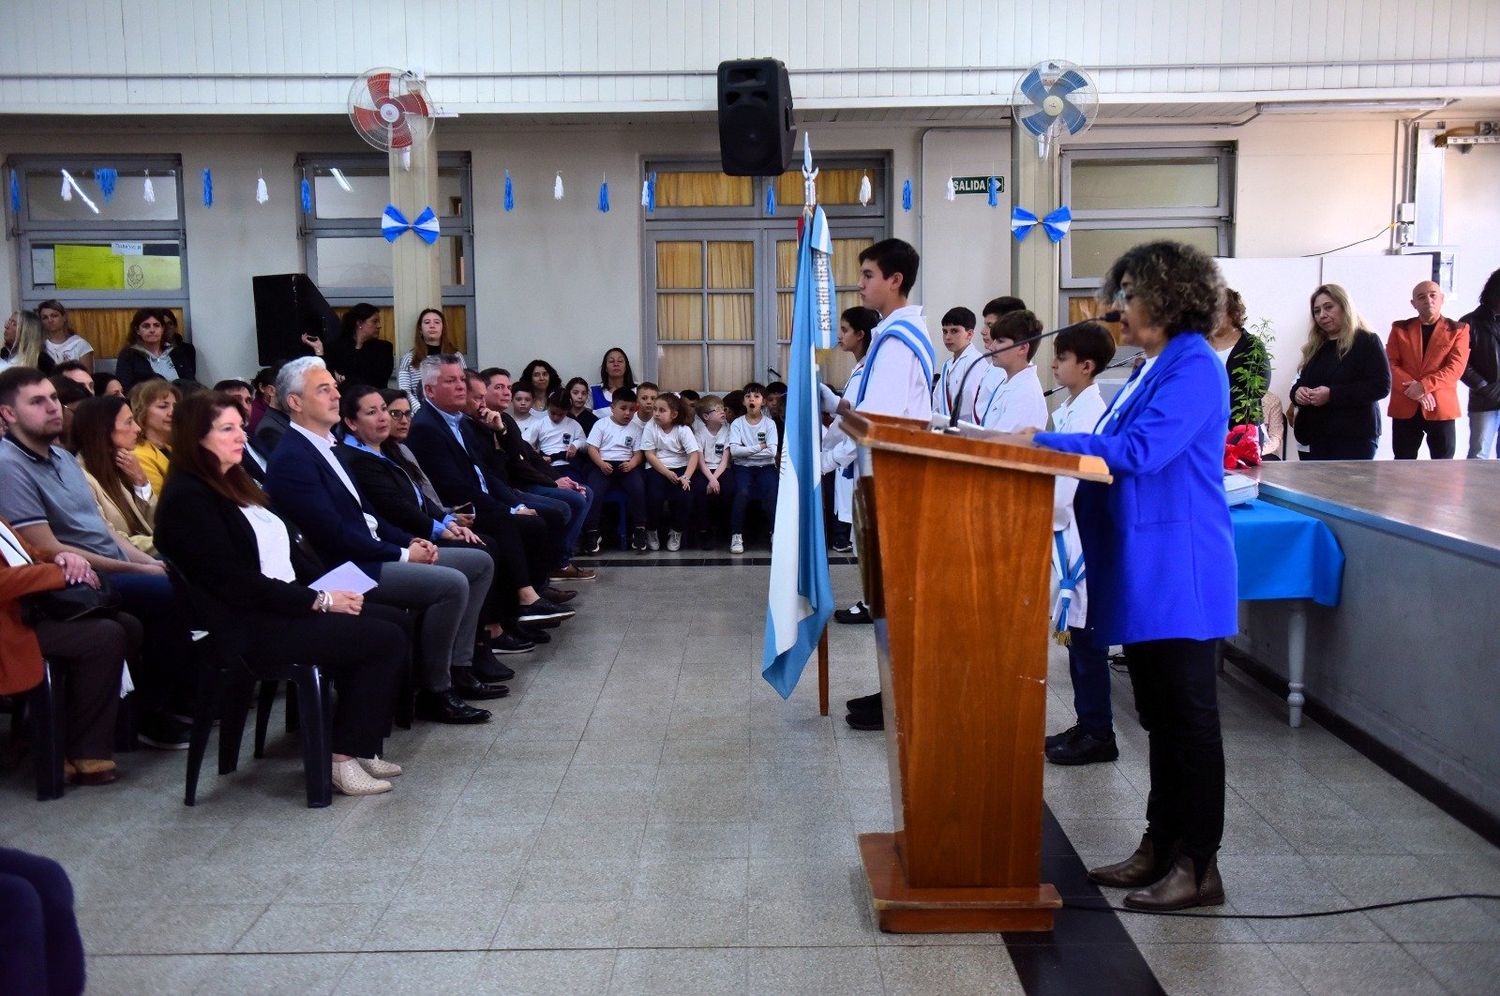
208	188
510	193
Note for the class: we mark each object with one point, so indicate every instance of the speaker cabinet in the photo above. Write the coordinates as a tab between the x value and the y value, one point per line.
756	130
287	305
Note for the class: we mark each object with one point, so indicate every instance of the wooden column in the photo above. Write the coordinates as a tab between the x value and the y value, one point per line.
415	275
1034	262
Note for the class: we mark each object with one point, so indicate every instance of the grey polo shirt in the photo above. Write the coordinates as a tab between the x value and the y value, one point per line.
53	490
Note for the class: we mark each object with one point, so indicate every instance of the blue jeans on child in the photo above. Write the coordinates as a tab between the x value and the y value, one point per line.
1088	665
40	949
752	483
577	506
632	485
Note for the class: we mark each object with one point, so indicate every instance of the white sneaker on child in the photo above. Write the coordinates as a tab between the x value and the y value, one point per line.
674	541
653	539
736	543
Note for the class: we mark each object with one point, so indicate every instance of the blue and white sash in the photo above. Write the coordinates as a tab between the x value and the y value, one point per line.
1070	576
912	338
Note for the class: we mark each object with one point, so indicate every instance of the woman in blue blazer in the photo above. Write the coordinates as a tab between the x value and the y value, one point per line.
1161	566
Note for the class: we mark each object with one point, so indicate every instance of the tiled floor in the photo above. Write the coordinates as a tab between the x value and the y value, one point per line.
645	815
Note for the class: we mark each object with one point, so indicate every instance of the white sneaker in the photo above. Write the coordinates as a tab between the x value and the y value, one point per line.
378	768
674	541
736	543
351	779
653	539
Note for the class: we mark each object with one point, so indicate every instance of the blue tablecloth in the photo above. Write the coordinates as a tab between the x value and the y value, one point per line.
1285	554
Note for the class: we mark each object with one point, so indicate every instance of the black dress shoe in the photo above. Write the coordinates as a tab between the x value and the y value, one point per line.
446	707
1141	868
558	595
865	704
1180	889
1085	749
859	612
511	642
1063	737
489	670
543	611
865	721
466	685
528	634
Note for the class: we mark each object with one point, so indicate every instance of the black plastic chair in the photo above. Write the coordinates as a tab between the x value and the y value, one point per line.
226	685
48	733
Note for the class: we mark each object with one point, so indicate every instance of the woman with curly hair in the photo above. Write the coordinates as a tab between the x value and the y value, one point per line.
1160	555
543	380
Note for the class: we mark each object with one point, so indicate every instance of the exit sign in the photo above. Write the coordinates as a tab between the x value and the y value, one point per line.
977	184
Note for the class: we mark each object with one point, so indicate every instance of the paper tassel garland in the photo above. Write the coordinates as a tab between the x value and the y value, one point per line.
208	187
148	190
864	191
261	193
557	188
994	186
604	196
951	191
306	196
15	193
648	193
510	193
67	188
906	195
771	199
107	178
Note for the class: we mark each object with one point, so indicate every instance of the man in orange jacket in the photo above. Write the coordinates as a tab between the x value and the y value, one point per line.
1428	355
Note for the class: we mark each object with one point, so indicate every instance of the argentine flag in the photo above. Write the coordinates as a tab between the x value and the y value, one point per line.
800	599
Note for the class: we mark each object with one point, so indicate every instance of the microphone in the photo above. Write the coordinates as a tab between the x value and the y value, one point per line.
1108	316
1115	365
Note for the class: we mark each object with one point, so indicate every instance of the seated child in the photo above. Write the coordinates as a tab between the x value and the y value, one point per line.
713	466
1079	355
752	444
559	436
1017	401
672	451
527	420
734	405
614	451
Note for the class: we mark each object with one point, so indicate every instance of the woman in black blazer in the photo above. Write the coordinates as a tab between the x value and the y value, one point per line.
150	351
394	491
217	530
360	356
1343	374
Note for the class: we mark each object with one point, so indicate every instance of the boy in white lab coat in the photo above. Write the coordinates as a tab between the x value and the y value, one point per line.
1016	401
963	353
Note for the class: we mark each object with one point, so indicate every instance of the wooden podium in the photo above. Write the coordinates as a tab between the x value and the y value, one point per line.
955	548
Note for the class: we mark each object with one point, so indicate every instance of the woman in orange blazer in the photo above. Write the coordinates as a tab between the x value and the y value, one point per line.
1425	370
90	651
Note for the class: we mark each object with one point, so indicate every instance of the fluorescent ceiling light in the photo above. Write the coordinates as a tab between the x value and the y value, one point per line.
1324	106
338	175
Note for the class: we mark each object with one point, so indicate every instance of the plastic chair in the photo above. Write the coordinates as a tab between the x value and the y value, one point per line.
48	733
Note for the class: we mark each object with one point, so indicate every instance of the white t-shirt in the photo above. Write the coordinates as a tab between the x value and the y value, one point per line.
672	446
616	443
1017	403
896	383
713	447
554	438
74	347
745	438
530	425
639	430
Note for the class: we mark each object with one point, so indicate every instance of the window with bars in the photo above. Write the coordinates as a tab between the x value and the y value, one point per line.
1121	196
101	256
349	259
721	269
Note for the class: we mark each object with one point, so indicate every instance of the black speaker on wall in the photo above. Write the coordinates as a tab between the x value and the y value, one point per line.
756	131
287	305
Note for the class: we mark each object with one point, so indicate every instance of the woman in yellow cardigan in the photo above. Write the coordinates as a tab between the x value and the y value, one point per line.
152	402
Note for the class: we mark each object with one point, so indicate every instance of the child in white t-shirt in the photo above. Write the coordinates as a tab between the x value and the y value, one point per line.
1017	402
1078	357
672	452
559	437
752	444
712	431
615	454
528	420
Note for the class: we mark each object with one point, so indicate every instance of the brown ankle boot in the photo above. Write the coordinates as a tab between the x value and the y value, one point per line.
1179	888
1141	868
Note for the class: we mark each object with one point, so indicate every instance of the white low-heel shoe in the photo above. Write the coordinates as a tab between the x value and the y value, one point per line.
351	779
378	768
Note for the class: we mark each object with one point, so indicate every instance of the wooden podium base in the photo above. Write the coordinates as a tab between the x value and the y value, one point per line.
901	909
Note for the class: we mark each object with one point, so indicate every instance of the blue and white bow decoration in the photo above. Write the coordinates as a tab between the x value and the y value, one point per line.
1055	223
393	225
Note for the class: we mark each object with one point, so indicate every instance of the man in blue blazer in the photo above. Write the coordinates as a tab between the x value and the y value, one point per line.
1161	566
310	486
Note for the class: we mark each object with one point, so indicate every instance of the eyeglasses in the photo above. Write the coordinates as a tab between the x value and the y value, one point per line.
399	414
1123	297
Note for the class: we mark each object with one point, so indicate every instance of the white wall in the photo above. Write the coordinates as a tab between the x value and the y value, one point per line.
185	56
1471	221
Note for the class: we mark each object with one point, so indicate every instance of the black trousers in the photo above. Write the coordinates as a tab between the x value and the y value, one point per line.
1176	695
1341	449
41	952
89	653
524	553
686	506
364	657
1407	433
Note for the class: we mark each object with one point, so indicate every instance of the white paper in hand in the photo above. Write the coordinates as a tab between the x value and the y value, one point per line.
345	577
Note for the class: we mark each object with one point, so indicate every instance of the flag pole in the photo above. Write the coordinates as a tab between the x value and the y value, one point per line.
823	673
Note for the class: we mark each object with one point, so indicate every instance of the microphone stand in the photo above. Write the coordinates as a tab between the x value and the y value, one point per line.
1109	316
1113	366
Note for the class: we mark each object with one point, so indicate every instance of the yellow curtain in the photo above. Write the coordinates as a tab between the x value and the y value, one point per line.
679	316
106	329
679	264
835	186
680	367
731	317
731	265
730	367
703	189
